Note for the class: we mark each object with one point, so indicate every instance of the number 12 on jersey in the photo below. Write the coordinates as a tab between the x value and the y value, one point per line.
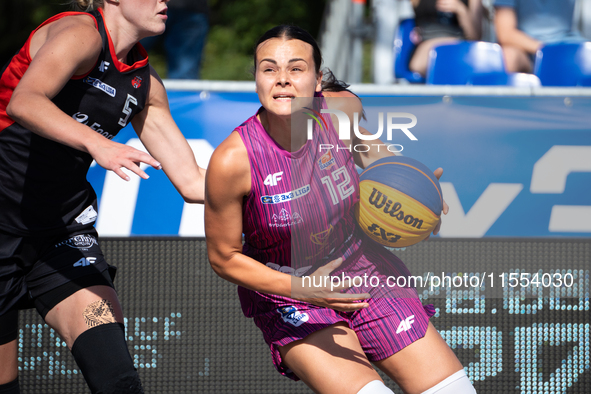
338	184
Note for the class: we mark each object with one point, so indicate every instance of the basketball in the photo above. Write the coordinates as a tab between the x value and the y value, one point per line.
400	201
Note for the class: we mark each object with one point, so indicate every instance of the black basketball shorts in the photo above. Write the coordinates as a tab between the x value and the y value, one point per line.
42	271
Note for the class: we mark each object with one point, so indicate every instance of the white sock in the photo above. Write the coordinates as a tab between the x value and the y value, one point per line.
375	387
458	383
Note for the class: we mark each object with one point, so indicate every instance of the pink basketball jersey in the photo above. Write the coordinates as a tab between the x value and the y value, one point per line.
300	212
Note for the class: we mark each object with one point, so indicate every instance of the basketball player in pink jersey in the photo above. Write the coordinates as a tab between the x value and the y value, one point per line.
295	207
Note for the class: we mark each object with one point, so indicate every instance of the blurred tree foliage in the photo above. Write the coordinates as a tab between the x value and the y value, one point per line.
19	18
235	26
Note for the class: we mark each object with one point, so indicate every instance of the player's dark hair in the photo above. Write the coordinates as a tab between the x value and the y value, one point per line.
290	32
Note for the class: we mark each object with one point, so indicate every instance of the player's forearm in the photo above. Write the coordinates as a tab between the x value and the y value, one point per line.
251	274
54	124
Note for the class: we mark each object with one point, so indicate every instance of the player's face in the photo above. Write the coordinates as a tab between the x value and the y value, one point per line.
148	16
285	69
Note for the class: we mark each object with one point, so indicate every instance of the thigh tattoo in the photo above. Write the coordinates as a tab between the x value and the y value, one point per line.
99	312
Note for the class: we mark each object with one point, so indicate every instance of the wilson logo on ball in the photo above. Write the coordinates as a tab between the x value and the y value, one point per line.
392	208
400	201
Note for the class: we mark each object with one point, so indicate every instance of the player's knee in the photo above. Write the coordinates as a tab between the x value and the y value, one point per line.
458	383
375	387
102	355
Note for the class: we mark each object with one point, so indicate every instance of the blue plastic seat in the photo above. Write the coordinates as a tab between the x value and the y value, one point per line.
459	63
564	64
403	50
509	79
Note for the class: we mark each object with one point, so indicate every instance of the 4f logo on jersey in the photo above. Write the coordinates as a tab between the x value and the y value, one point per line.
272	179
85	262
136	82
405	324
104	66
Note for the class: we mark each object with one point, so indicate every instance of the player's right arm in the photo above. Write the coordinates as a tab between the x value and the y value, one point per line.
227	183
60	50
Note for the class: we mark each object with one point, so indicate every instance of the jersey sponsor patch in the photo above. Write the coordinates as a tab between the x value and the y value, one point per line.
100	85
82	241
291	315
285	197
326	161
284	219
289	270
87	216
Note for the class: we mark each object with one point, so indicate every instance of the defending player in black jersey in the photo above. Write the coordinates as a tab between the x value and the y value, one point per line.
79	79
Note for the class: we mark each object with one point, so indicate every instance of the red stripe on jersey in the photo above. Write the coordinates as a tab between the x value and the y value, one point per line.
17	67
122	67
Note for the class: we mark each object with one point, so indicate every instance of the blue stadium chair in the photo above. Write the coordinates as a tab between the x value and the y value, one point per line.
507	79
459	63
564	64
403	50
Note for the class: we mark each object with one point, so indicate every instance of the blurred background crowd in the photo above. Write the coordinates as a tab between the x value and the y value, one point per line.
474	42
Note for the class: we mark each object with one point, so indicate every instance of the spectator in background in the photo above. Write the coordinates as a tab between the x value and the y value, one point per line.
184	38
523	26
442	22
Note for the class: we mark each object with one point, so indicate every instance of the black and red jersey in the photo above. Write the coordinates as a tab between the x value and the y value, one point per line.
43	186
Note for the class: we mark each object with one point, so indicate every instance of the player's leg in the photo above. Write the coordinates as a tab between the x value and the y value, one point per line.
73	291
13	292
425	364
331	360
90	321
8	353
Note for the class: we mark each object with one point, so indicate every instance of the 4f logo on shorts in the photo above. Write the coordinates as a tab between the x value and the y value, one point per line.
405	324
272	179
291	315
85	261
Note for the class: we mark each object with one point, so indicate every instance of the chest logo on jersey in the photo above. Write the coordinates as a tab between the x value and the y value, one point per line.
136	82
285	219
100	85
273	179
285	197
326	161
322	237
104	66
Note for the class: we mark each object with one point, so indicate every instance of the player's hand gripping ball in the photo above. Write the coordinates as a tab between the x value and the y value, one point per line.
400	201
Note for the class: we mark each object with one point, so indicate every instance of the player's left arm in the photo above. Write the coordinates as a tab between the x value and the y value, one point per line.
162	138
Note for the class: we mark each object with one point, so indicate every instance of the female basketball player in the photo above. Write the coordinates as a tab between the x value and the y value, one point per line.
77	81
268	182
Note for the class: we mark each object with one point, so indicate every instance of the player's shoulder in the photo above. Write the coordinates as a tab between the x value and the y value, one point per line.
231	157
77	30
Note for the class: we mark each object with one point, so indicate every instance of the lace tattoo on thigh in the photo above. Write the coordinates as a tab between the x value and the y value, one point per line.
99	312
